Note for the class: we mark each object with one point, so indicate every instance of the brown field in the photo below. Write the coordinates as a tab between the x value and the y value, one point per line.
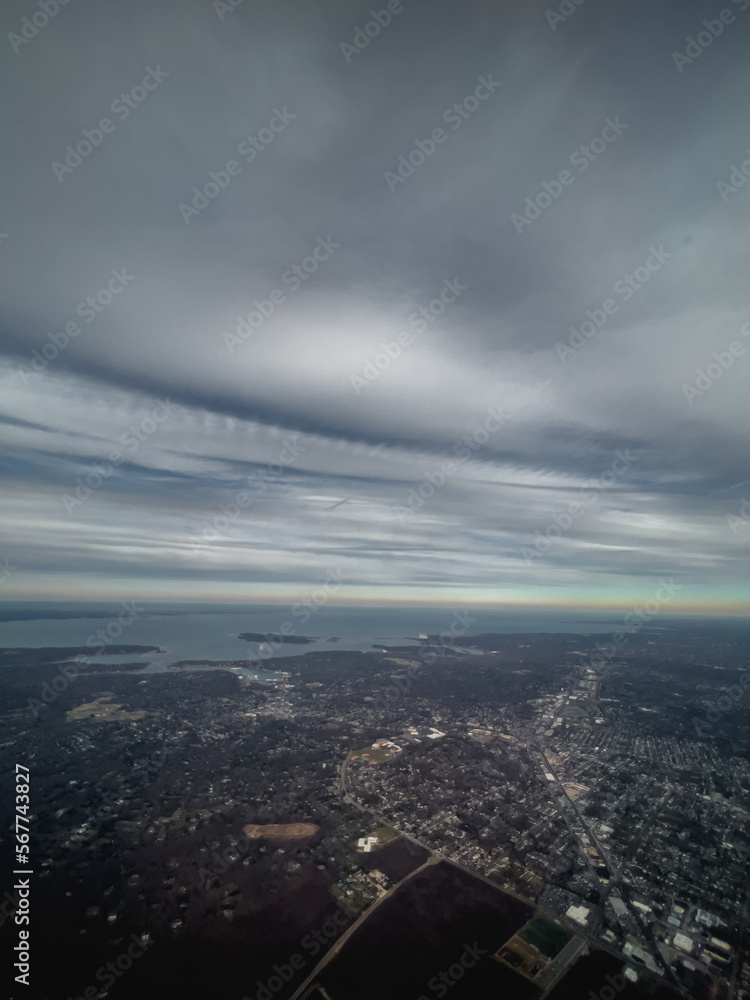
281	831
574	790
368	755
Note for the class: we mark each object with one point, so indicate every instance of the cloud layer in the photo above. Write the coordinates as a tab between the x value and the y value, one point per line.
448	300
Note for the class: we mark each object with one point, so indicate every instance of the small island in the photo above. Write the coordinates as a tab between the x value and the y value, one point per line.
299	640
137	665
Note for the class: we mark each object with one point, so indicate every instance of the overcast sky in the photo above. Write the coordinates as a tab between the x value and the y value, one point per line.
500	167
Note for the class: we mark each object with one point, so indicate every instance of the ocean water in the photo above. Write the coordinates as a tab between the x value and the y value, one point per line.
204	633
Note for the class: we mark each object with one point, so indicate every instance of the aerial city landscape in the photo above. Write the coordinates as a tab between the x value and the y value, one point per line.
374	576
570	806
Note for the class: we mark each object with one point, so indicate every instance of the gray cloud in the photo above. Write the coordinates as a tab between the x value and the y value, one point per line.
322	177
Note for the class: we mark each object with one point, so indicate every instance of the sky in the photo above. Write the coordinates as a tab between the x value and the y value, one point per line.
425	301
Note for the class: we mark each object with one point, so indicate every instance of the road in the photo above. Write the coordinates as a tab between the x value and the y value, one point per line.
339	944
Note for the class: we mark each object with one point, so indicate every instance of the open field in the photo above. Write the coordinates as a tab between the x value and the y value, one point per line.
102	709
422	929
574	790
546	935
280	831
368	755
385	833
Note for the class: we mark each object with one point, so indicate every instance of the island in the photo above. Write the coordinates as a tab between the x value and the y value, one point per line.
299	640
